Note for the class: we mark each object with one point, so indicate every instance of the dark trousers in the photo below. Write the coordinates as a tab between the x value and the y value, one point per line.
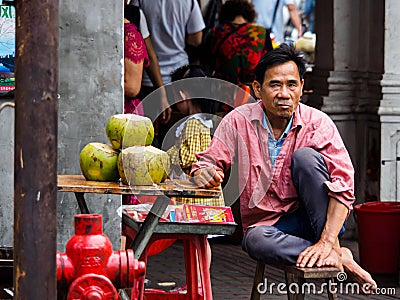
294	232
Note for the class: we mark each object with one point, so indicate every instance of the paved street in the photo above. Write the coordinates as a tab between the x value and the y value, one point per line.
232	273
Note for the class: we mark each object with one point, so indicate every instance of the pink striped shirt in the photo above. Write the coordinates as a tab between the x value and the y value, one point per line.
266	192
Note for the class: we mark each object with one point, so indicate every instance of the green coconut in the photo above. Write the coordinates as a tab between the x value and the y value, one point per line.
99	162
143	165
126	130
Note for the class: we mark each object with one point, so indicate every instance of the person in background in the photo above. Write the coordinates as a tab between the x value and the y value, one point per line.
295	174
193	135
233	48
309	14
135	58
172	25
266	11
136	16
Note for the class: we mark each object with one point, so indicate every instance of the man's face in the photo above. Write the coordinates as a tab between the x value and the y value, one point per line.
280	92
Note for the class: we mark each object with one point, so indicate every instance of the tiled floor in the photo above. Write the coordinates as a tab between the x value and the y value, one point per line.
232	274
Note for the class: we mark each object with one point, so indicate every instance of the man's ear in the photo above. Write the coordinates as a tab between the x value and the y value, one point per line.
257	89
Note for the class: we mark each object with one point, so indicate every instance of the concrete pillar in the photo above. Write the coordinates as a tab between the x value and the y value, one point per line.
389	110
346	81
91	90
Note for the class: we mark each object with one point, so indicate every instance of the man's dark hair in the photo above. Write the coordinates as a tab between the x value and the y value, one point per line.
284	53
233	8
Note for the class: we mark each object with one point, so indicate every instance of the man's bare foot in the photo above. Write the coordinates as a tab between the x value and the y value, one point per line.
334	259
358	274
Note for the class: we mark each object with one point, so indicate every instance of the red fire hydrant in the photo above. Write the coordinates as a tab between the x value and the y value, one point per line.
90	267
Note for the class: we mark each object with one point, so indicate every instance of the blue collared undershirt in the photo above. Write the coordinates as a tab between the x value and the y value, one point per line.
274	146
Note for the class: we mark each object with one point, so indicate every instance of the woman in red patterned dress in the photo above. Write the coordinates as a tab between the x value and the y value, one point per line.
135	58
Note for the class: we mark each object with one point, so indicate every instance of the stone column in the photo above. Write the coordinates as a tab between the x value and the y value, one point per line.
91	90
389	110
346	81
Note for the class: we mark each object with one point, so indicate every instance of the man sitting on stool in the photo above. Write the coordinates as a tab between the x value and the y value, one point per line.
295	174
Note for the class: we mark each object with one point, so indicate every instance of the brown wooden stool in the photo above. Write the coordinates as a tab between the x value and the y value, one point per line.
291	274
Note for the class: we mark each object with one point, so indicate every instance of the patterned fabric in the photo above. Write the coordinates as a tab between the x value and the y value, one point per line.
195	137
134	50
235	57
134	46
133	106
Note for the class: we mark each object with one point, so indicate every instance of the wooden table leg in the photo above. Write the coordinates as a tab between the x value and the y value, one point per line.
146	230
81	203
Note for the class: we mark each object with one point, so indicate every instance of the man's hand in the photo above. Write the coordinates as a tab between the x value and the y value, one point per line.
208	177
315	254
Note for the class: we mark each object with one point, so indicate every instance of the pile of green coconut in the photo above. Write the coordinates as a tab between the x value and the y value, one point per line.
130	157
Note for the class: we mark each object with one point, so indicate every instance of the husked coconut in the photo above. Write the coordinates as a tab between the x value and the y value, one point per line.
126	130
99	162
143	165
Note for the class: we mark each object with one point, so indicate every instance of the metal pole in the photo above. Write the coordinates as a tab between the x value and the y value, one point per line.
35	179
